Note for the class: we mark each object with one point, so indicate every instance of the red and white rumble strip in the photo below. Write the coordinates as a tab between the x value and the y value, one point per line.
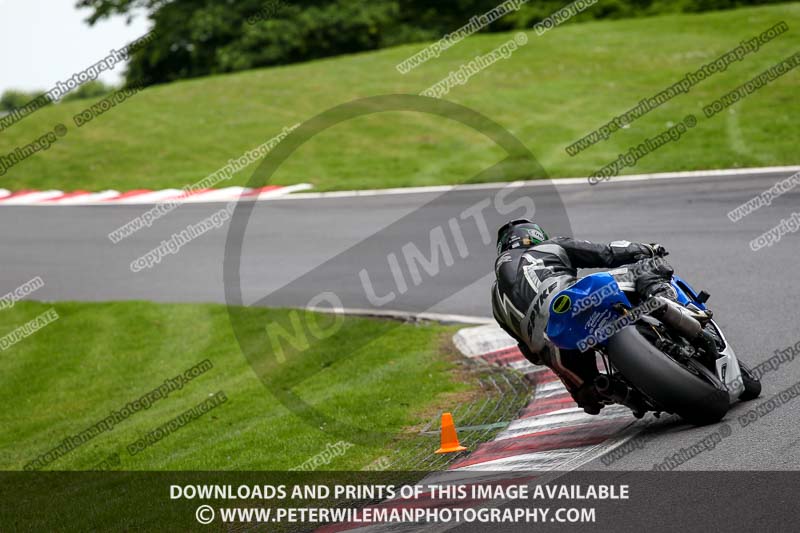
551	433
145	196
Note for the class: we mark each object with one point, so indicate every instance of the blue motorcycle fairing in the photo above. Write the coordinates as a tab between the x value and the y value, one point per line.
584	308
686	294
573	318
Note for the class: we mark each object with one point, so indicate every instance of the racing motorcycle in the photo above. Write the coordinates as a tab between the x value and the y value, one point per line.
654	354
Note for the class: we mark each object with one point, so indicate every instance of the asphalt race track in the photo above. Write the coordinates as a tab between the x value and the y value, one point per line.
752	292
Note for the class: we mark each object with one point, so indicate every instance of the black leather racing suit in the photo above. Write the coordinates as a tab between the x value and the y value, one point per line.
529	278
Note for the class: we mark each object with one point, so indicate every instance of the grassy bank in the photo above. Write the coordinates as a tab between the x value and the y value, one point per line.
98	357
550	92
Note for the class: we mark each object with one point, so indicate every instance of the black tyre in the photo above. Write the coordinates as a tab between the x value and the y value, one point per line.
752	385
674	387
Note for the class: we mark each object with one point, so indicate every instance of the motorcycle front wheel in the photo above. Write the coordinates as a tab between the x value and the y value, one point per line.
752	385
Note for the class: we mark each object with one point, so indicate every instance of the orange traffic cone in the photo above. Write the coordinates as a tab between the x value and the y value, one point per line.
449	441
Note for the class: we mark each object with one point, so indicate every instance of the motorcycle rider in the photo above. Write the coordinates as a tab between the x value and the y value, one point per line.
531	269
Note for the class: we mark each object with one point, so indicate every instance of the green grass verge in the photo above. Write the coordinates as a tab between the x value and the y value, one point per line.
97	357
551	92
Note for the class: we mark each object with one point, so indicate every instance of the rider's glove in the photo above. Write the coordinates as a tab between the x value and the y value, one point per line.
658	250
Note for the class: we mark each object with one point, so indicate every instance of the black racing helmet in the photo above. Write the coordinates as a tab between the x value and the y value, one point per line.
519	233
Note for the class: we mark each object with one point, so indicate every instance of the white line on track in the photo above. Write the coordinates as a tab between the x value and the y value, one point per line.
736	172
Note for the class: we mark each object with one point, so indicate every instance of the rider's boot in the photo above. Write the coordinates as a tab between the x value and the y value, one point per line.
656	281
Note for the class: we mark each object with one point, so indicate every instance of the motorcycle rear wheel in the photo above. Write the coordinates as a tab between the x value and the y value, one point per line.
693	393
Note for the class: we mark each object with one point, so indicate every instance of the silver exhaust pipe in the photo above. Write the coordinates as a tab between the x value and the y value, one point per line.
679	318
